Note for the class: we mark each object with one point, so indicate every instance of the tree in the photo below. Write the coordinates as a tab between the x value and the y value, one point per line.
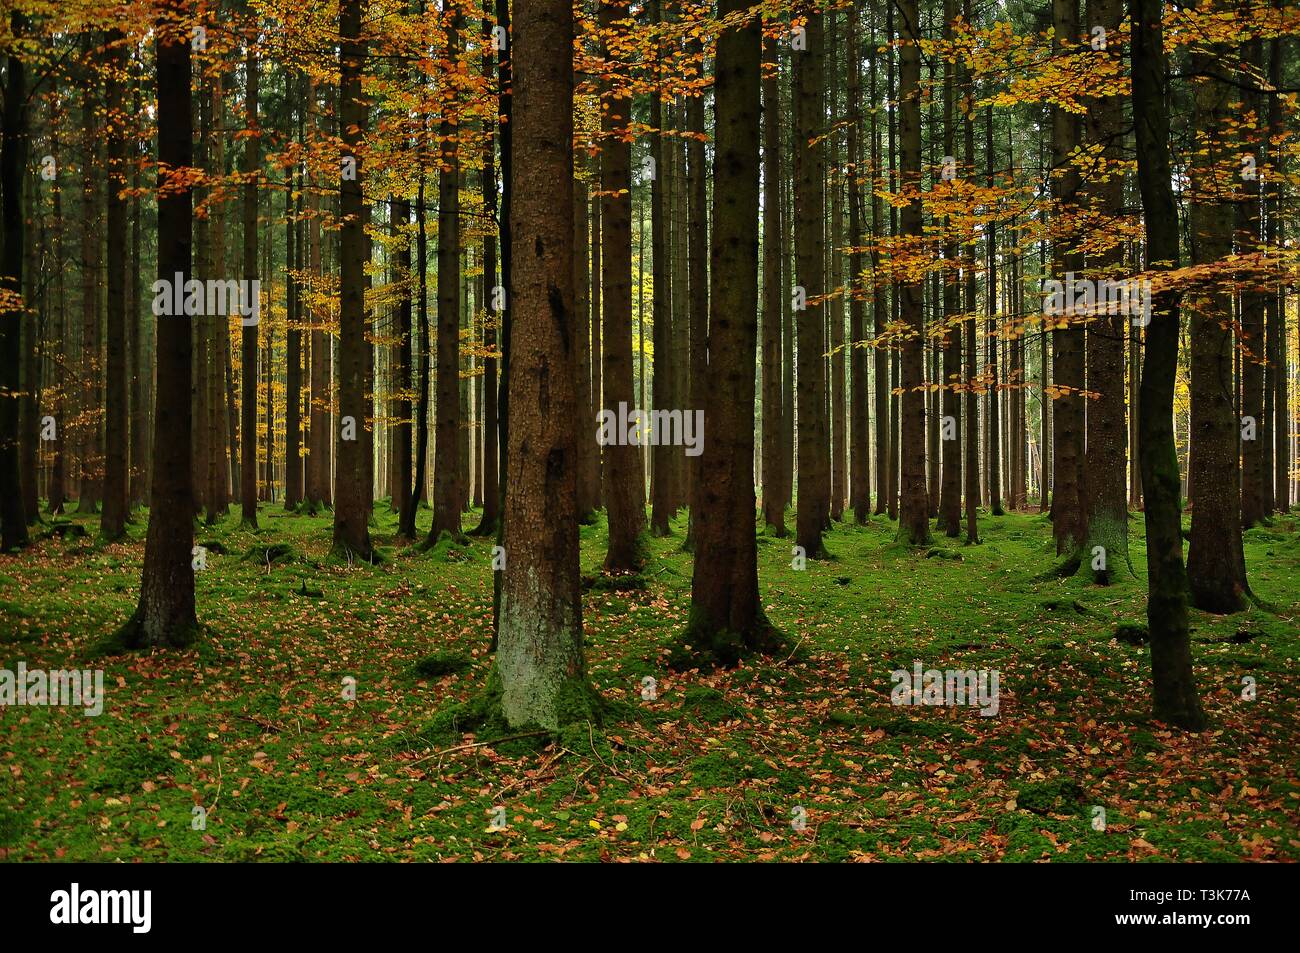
539	647
248	331
1174	693
447	497
914	510
351	484
810	272
1106	549
1069	517
165	617
13	149
624	495
112	525
773	467
860	412
950	490
1216	562
726	617
661	489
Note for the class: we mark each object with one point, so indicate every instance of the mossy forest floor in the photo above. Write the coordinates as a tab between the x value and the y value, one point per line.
252	724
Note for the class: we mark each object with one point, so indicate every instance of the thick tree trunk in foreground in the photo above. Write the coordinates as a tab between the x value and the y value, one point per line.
539	648
1174	693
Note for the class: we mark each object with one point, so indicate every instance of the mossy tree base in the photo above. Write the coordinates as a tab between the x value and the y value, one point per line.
703	646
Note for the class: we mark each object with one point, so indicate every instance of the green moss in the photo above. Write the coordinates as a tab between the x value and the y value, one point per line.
1057	796
440	664
708	705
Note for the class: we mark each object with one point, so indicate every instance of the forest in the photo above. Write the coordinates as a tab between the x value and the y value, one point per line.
649	430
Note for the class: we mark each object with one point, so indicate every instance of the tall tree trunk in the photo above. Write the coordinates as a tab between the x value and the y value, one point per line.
293	477
1106	550
33	354
914	509
623	487
727	619
860	411
406	519
1069	517
588	373
13	151
539	653
218	350
447	496
248	339
164	616
773	466
1216	563
586	438
810	273
662	314
491	484
835	287
351	489
56	494
1256	470
879	300
991	302
970	448
951	423
697	359
1277	362
1174	686
112	525
320	438
597	348
92	442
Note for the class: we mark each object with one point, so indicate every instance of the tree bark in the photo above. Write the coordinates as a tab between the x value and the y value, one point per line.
1174	686
13	151
914	508
164	616
1216	563
810	273
773	466
539	654
448	499
624	494
351	492
727	620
